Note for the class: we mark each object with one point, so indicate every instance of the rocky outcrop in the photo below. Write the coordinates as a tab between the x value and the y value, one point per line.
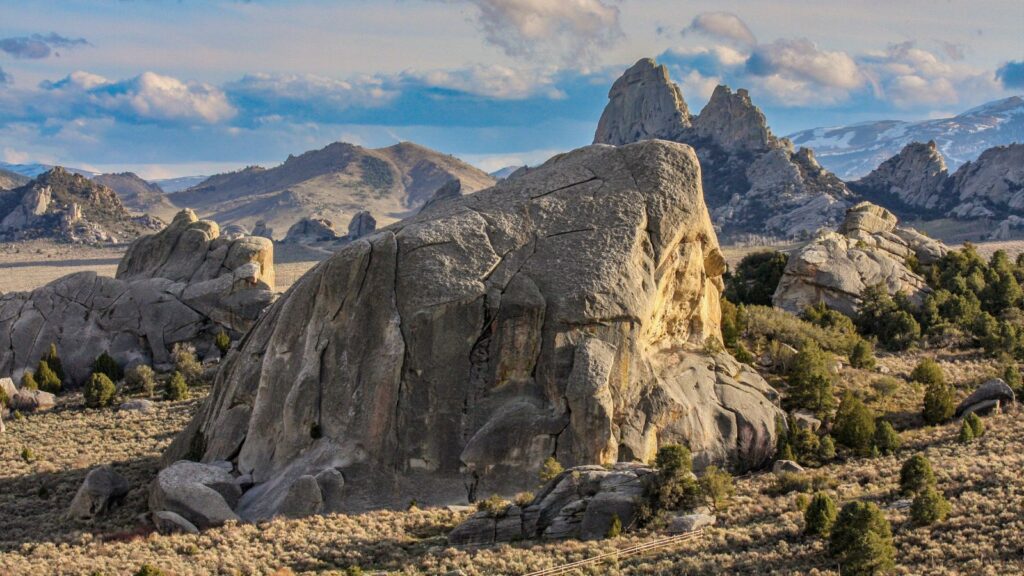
643	104
561	313
754	183
915	183
580	503
868	249
261	230
70	208
991	395
991	186
102	489
201	494
310	231
184	284
362	223
913	180
138	195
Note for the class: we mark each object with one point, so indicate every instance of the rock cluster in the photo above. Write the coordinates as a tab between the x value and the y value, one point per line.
915	182
362	223
561	313
102	489
580	503
990	396
183	284
754	182
311	230
869	248
70	208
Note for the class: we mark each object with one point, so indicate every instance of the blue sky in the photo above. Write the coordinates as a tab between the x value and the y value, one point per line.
177	87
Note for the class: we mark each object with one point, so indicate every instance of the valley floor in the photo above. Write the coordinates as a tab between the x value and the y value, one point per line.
760	533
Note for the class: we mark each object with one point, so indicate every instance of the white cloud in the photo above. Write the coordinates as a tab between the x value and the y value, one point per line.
146	97
722	25
494	81
572	31
361	91
801	60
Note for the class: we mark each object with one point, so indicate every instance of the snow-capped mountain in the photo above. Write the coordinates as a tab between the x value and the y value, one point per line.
33	170
855	150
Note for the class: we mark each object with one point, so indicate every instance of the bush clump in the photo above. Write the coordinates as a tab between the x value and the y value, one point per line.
674	486
141	378
916	475
820	515
929	507
550	470
105	364
716	486
810	381
54	362
28	381
187	363
939	404
494	505
863	355
99	391
176	388
861	540
887	440
884	318
854	425
47	379
977	426
756	278
223	342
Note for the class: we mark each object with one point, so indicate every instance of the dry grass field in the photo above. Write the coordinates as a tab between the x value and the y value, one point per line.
760	533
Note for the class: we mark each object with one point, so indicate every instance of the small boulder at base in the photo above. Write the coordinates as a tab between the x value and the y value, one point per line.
32	401
203	494
171	523
137	405
102	489
786	467
993	393
689	522
806	420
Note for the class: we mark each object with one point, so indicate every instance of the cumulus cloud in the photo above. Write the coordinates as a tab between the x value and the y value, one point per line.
1011	74
493	81
801	60
38	46
722	25
569	30
148	97
281	90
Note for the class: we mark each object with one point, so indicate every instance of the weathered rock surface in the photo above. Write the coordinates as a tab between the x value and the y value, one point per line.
68	207
786	467
994	392
102	489
580	503
183	284
914	180
362	223
643	104
754	183
311	230
170	523
690	522
202	494
563	312
869	248
32	401
915	183
261	230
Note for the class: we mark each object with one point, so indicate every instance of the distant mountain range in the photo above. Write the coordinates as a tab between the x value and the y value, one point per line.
172	185
335	183
855	150
138	195
32	170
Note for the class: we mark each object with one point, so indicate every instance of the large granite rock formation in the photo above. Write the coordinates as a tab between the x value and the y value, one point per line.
755	183
870	248
916	183
183	284
68	207
913	181
561	313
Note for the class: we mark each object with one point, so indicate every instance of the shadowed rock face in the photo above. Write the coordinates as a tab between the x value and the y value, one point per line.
562	313
754	183
183	284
